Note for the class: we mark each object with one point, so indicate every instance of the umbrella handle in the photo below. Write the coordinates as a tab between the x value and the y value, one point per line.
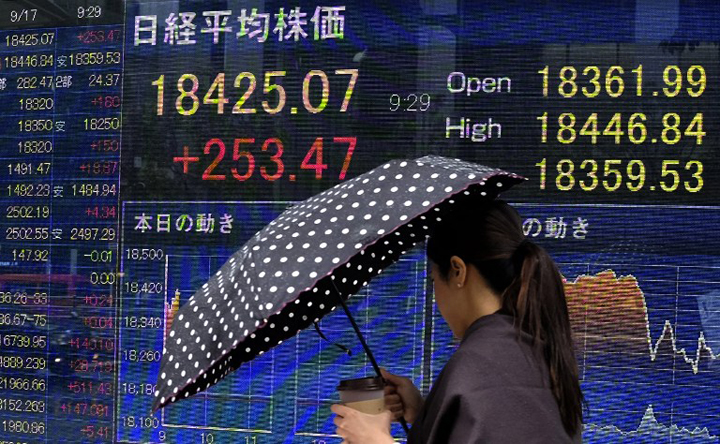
364	344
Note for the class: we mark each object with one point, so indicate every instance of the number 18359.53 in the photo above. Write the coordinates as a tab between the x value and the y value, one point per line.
611	174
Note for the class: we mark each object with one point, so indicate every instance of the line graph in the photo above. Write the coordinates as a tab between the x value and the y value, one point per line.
588	303
646	339
650	428
669	333
642	341
171	309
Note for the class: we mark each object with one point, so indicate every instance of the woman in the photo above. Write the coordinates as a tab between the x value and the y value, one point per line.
514	377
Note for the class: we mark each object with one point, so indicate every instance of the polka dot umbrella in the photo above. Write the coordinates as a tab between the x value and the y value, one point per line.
308	261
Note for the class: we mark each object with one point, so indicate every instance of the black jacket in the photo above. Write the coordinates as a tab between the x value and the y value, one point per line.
491	391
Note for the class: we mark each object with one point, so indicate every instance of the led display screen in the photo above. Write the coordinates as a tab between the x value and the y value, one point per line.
144	142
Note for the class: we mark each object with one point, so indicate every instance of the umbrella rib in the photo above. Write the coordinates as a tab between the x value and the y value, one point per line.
357	330
340	346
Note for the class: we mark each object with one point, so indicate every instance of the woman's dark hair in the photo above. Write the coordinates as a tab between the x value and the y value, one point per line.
489	236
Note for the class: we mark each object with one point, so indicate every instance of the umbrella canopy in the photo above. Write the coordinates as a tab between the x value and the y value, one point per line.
289	274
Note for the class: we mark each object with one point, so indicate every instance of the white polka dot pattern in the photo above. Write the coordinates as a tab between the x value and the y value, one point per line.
282	279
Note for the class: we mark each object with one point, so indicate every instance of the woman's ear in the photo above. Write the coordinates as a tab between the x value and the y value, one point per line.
458	270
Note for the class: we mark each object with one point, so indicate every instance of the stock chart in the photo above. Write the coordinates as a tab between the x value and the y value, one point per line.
143	142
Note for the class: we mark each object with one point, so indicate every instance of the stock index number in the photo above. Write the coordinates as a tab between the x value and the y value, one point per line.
33	39
187	101
634	129
611	174
592	81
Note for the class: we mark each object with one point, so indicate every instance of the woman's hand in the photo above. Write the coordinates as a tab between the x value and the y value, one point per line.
402	398
360	428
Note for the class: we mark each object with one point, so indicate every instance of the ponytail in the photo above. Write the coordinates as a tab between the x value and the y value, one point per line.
489	236
536	297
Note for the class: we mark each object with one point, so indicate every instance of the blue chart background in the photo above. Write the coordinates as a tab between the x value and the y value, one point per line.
285	394
652	245
298	378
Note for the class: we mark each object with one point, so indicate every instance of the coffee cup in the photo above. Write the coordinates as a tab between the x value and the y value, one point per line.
366	395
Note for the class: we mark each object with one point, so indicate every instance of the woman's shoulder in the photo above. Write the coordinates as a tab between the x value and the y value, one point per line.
493	355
